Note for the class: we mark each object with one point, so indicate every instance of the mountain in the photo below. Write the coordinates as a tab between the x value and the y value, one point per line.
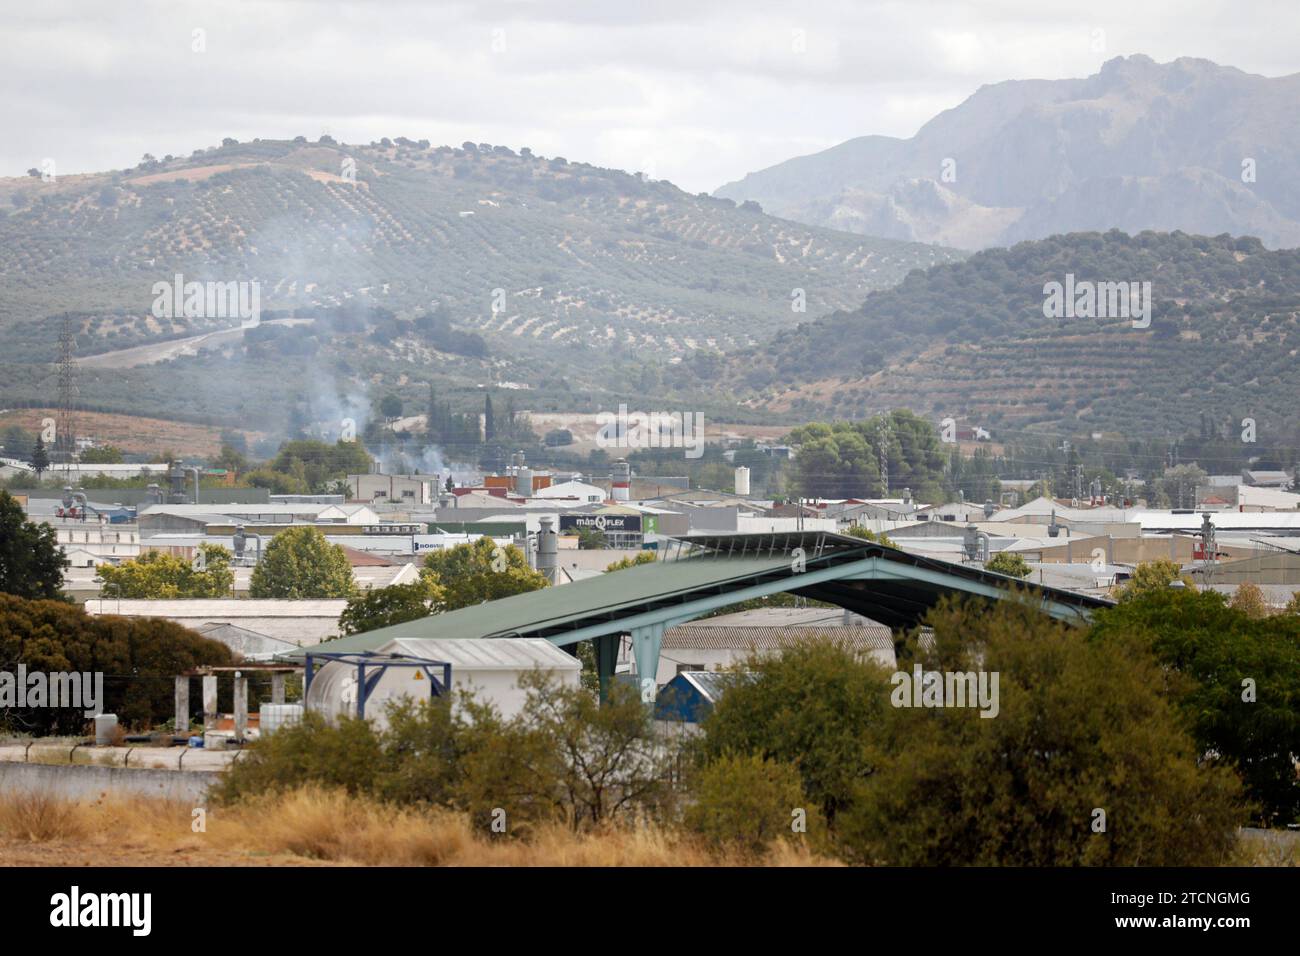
972	340
1187	145
553	264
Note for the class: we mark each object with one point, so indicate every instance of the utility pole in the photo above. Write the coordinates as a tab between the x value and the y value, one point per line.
65	423
886	435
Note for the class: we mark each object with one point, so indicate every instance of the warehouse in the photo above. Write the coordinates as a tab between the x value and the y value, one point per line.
490	669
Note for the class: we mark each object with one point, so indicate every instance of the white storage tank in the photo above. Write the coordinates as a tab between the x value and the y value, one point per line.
105	729
490	666
272	717
742	481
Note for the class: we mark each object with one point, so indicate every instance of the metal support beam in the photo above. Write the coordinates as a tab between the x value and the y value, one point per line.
606	648
680	613
646	642
883	570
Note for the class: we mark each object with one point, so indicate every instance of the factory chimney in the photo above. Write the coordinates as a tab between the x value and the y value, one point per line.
548	559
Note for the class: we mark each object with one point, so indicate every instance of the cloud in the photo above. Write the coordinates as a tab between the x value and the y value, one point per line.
703	91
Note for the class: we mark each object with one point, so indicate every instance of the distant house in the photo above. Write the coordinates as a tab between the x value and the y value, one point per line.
401	489
296	623
14	468
690	696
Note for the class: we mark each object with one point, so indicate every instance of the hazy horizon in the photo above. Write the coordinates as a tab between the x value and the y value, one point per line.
693	94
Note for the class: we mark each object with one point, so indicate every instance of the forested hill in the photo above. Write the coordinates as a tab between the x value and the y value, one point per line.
543	257
970	339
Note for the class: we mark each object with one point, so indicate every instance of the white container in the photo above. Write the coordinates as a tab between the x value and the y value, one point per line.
105	729
274	716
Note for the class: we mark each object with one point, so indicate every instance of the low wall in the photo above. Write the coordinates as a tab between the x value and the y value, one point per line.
83	782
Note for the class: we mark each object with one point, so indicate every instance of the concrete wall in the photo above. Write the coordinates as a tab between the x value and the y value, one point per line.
81	782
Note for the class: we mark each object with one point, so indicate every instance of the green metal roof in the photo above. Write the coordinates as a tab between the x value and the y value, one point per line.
883	583
552	609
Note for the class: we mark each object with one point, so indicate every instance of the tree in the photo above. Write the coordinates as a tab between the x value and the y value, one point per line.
842	459
599	761
395	604
40	457
589	539
1083	763
391	406
300	563
810	707
866	534
489	420
1008	563
157	575
1249	600
31	560
230	459
642	557
18	443
139	658
106	455
316	463
1154	576
1236	680
479	571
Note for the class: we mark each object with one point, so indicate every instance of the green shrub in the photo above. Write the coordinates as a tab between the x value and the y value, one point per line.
811	707
1080	729
746	802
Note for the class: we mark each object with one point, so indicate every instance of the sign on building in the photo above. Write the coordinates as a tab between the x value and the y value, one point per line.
606	524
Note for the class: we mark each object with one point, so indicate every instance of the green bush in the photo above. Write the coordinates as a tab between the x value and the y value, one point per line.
1080	729
811	707
746	802
139	657
1236	679
563	757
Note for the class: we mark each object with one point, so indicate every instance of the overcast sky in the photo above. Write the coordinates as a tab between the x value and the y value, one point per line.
696	91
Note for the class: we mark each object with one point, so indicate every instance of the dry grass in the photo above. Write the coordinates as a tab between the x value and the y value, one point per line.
1273	848
40	818
328	827
313	825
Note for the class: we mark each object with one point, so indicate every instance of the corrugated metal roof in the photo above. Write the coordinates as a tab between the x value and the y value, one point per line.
711	684
553	607
216	609
734	562
510	654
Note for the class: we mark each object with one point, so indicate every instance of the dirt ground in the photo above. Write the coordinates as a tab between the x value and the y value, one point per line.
14	853
143	435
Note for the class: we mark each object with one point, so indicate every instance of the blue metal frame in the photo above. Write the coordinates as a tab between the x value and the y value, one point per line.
378	663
